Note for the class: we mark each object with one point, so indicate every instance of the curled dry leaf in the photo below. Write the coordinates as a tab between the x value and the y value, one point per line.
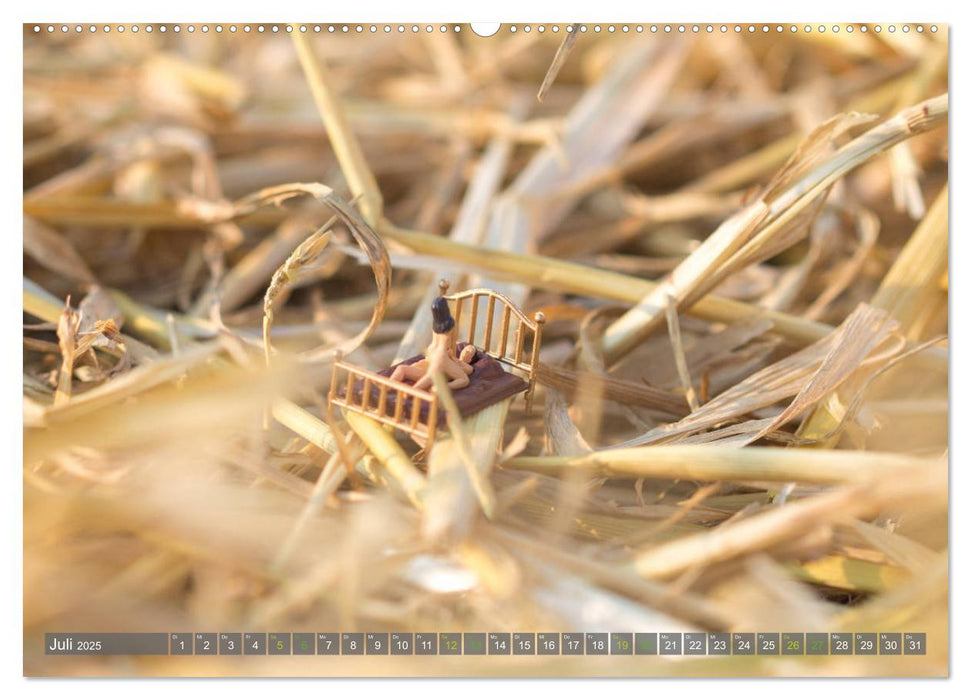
307	252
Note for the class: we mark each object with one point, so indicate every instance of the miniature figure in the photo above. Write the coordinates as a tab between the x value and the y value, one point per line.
402	395
440	355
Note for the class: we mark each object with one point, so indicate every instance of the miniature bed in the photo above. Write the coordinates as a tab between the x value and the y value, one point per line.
487	327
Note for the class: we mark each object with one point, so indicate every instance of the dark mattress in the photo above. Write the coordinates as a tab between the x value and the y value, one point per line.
489	383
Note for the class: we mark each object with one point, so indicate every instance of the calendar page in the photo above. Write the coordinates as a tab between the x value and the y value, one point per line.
523	349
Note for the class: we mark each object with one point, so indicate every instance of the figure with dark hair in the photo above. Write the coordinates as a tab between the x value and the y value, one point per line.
441	355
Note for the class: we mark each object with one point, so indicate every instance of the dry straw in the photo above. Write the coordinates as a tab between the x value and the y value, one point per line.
740	247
